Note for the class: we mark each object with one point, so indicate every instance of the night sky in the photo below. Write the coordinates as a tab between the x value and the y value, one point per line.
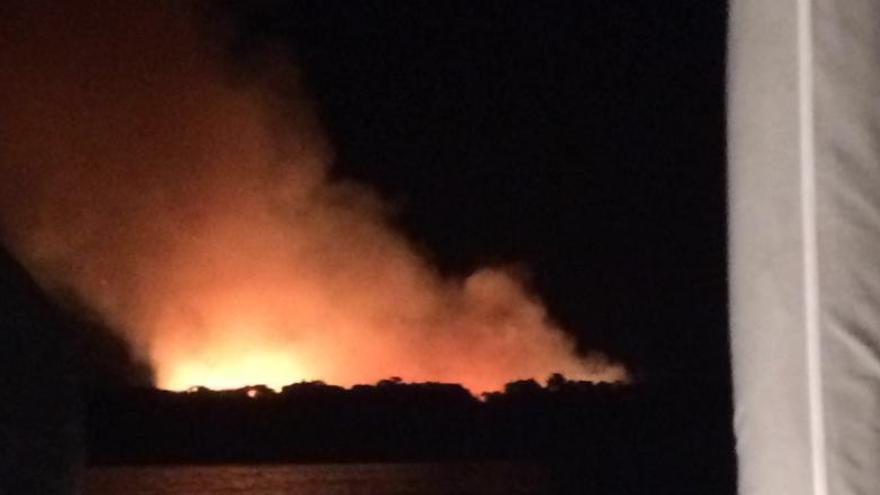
583	141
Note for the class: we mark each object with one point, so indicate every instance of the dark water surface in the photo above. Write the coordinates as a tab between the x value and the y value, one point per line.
327	479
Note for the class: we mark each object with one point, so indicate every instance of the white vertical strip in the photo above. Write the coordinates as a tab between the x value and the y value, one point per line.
810	245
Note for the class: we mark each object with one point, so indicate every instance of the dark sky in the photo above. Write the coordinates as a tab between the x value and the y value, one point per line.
584	140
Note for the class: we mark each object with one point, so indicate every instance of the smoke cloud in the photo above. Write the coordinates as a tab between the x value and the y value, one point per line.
197	217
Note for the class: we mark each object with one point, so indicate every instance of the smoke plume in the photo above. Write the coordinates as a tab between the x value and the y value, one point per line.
196	216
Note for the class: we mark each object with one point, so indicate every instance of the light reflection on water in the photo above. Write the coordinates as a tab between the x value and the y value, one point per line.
322	479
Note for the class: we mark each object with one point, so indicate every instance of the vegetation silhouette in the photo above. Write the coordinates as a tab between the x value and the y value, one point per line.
615	437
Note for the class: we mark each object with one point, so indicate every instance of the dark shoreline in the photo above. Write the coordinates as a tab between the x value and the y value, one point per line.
601	430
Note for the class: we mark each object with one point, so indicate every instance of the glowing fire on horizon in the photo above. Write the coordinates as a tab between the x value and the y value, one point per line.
198	219
236	370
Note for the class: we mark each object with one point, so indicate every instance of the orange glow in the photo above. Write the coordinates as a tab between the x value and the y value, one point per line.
222	372
198	218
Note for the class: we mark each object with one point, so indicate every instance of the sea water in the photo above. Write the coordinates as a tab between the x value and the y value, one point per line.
485	478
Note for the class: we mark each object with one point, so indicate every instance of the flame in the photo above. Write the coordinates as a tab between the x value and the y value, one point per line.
199	219
230	369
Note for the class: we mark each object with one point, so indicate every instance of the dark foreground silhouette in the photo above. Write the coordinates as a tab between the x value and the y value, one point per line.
619	436
40	407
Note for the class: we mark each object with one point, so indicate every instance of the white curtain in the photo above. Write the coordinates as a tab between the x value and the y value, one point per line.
804	175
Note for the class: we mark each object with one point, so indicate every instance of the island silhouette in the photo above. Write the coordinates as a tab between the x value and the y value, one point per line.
616	436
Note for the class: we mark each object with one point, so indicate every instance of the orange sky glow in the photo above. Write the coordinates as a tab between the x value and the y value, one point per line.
196	216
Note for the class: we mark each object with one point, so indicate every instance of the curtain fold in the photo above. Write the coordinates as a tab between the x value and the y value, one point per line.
804	206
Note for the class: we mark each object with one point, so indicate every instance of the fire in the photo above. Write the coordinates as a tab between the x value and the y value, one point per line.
199	218
222	371
238	357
